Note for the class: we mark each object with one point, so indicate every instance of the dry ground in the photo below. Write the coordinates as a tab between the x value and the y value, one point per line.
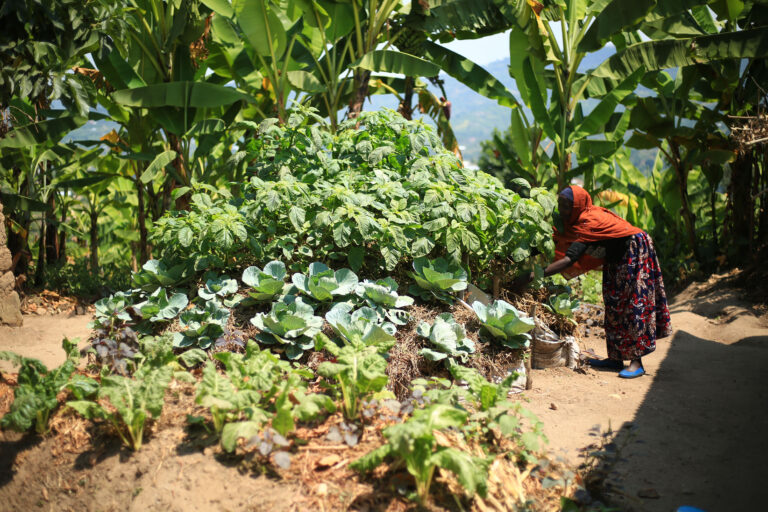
690	432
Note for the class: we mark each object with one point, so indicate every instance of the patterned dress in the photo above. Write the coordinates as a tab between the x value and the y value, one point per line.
636	312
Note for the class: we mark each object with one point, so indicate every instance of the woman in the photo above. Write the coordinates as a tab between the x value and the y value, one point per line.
636	312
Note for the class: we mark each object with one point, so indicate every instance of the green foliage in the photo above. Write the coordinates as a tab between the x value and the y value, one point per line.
447	339
437	278
217	287
257	386
382	292
504	323
35	397
414	444
362	327
113	310
323	284
491	409
359	370
201	325
375	197
563	304
155	273
209	235
267	284
159	307
291	325
127	403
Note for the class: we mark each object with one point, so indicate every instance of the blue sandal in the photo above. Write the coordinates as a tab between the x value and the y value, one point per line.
608	364
626	374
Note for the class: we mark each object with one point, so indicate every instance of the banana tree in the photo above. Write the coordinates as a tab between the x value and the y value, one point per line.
157	80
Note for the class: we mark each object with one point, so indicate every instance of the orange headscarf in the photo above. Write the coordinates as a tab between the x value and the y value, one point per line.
589	223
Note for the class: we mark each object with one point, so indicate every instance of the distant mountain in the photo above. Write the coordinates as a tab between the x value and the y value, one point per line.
474	117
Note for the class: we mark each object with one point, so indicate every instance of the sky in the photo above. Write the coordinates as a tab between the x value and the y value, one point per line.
484	50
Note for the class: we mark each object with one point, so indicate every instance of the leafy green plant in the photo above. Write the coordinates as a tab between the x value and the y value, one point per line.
359	371
491	409
257	386
201	326
113	310
372	198
447	339
504	323
155	273
217	287
382	292
563	304
291	325
437	278
209	235
35	397
414	443
127	403
217	392
265	284
323	284
361	327
382	297
159	307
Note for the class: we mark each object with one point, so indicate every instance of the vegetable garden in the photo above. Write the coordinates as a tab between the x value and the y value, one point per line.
294	271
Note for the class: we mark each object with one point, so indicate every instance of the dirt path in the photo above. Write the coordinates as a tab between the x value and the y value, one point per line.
40	337
692	431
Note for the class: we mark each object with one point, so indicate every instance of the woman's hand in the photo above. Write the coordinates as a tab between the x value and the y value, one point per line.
521	281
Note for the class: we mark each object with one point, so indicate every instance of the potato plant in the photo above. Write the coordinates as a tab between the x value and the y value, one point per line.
369	198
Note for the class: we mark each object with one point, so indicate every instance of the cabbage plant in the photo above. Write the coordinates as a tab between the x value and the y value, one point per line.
447	338
159	307
292	325
265	284
563	305
155	273
383	292
361	327
504	323
437	278
323	284
217	287
201	325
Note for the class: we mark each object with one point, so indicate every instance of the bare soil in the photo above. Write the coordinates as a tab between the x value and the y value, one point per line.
40	337
690	432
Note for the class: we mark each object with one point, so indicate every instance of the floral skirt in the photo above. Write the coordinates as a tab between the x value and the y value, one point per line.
636	311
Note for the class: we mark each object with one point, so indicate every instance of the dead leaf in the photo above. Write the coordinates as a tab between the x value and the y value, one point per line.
327	461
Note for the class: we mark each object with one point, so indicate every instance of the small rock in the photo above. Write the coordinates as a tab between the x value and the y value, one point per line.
650	494
553	406
322	490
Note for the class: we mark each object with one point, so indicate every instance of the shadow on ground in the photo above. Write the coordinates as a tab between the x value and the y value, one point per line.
700	436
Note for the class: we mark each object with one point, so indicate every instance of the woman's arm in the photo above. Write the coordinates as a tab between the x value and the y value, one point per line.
553	268
558	266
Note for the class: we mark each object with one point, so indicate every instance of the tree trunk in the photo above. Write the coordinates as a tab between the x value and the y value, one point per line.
182	202
362	77
682	182
713	200
94	231
63	235
52	255
406	107
142	223
40	266
741	203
